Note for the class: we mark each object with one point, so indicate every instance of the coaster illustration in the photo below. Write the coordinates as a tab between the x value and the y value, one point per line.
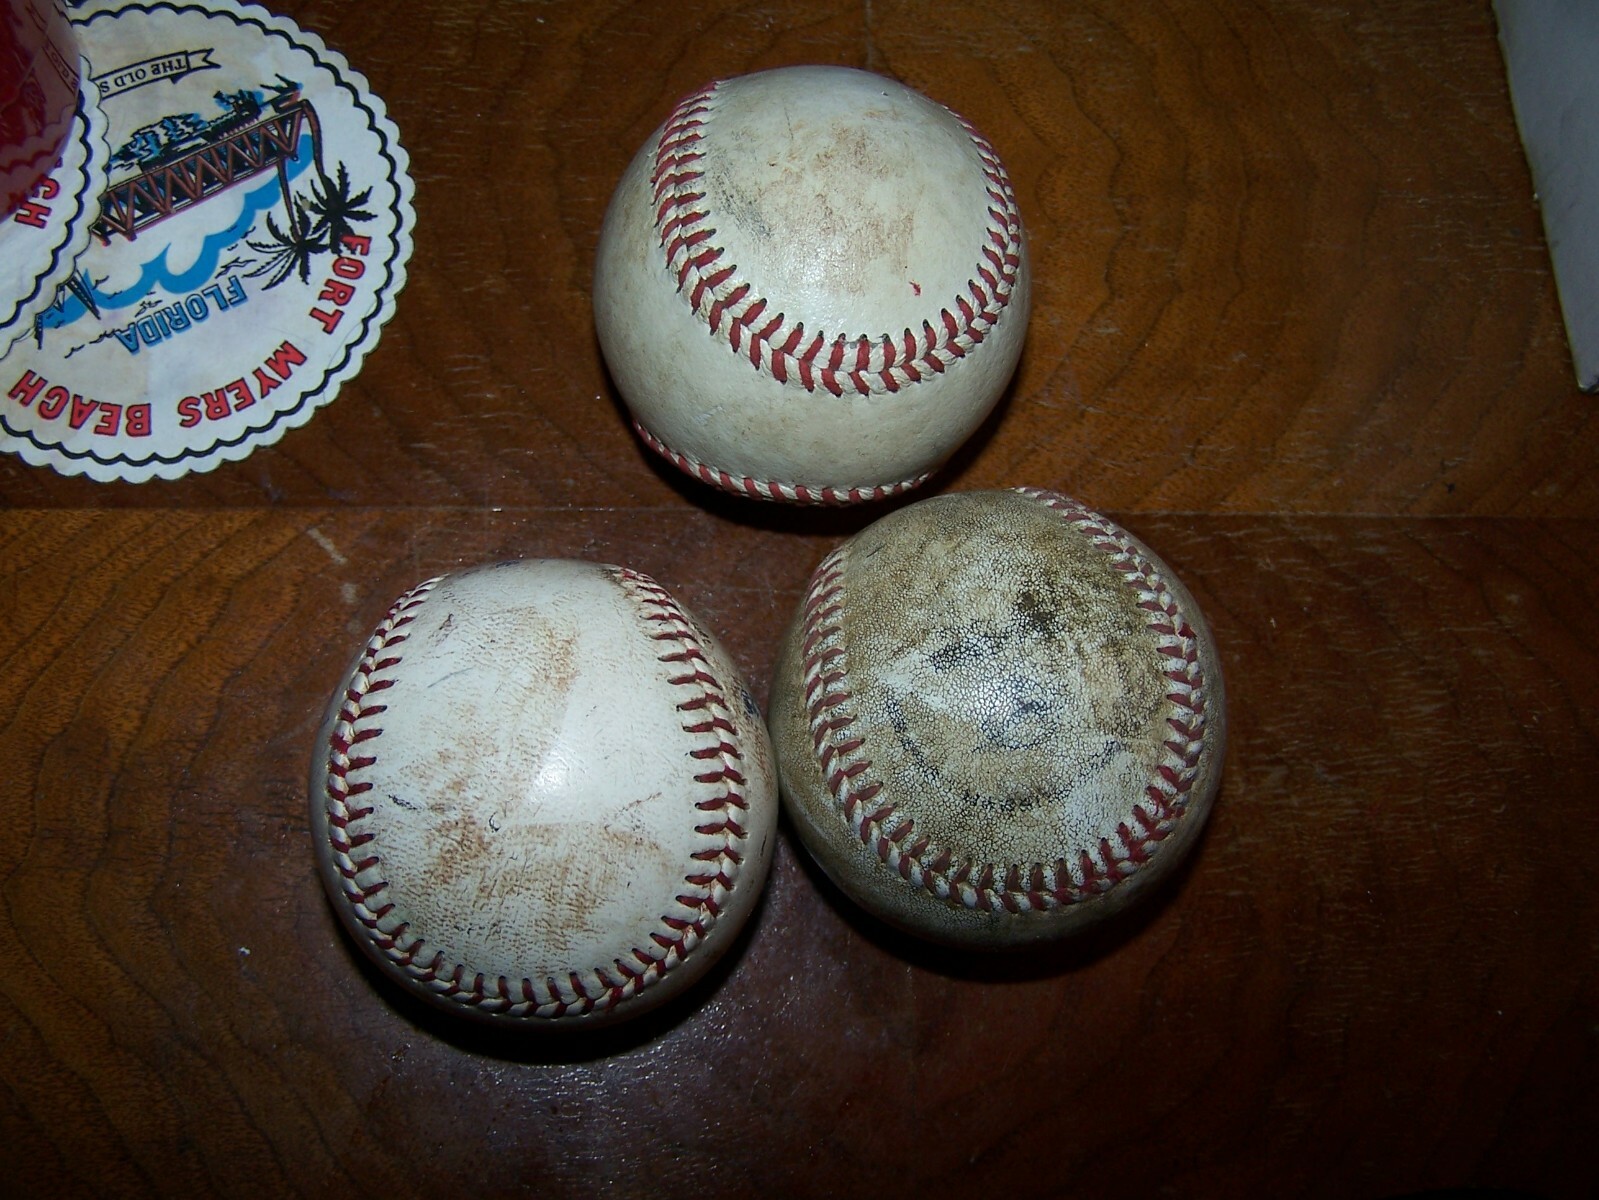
247	248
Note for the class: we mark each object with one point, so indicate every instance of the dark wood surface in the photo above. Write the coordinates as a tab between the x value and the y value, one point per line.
1294	326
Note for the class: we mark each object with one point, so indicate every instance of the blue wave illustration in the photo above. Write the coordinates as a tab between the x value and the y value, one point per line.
155	274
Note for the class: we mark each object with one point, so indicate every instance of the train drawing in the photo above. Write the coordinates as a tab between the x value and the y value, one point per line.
183	159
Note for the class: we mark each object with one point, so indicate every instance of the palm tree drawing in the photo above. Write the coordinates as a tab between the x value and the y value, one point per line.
315	226
289	251
335	208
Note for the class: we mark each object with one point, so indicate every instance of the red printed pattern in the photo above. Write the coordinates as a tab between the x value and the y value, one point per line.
754	326
707	718
1078	875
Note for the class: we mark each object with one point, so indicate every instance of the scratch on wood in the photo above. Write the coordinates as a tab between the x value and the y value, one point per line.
323	540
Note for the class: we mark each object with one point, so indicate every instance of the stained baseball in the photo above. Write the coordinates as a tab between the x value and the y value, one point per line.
998	718
542	795
811	285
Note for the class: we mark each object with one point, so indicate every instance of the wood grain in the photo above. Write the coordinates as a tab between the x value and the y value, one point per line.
1380	944
1294	326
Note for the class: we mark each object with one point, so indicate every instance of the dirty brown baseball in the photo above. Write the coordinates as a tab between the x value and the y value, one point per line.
998	718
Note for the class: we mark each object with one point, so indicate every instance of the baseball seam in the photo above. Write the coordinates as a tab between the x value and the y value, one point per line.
758	489
752	325
1080	874
708	719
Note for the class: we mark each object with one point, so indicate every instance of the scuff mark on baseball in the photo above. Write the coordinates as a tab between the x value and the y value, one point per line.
812	285
998	718
538	797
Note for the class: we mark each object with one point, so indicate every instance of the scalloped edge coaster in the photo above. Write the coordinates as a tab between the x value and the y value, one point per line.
247	249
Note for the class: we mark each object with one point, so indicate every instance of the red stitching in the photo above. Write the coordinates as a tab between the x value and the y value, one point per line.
707	716
711	889
339	787
1082	875
878	366
793	493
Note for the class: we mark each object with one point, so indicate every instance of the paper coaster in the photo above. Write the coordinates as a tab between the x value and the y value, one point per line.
41	241
248	247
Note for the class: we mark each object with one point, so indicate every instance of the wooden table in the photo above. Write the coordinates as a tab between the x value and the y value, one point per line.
1294	325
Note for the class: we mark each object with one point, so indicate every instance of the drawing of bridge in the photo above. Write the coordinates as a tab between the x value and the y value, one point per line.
232	156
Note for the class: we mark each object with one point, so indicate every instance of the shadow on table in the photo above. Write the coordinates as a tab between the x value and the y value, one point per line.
1015	964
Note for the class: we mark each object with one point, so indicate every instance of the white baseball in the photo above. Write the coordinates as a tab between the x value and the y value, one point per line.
542	795
998	718
811	285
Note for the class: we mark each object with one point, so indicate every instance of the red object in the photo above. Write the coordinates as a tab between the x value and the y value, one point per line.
38	94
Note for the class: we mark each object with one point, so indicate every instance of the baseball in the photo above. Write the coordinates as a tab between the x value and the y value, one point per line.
998	718
542	796
811	285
